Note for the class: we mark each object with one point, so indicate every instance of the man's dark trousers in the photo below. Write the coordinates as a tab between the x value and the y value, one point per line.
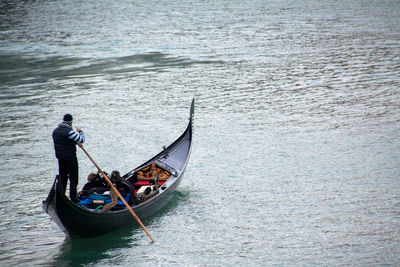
68	169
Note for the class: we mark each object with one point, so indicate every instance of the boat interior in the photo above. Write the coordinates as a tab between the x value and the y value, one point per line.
136	188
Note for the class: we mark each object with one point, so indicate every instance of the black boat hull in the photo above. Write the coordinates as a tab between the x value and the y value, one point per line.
77	221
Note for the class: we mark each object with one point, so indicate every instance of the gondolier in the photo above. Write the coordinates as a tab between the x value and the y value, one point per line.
65	141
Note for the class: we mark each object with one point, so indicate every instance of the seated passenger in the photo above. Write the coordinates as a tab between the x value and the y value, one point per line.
117	182
93	181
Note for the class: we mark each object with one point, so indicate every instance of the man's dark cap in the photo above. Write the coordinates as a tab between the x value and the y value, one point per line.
67	118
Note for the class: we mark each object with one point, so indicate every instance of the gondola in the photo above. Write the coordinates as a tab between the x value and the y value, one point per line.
87	221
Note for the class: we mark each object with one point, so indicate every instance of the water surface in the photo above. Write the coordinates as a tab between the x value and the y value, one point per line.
296	147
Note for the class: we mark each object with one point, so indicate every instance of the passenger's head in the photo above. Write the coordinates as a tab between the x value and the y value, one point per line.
91	177
115	176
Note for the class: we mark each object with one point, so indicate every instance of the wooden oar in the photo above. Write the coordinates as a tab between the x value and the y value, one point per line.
118	193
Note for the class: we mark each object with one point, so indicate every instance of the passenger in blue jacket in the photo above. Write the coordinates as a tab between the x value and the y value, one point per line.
65	141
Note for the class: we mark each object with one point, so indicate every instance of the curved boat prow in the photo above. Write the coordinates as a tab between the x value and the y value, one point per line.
191	110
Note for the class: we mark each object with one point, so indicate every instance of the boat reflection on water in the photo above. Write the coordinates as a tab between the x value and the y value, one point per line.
88	251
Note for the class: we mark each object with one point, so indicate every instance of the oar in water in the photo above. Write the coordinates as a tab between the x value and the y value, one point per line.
118	193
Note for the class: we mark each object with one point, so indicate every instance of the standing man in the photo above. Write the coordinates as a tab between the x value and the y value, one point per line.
65	141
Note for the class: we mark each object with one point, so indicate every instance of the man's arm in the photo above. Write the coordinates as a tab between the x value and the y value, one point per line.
78	136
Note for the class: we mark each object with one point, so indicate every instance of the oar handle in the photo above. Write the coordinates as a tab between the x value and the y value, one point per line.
118	193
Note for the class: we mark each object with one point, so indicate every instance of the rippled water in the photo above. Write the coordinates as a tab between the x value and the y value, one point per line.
296	143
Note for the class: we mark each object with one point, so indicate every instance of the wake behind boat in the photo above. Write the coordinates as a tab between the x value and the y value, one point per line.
147	189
